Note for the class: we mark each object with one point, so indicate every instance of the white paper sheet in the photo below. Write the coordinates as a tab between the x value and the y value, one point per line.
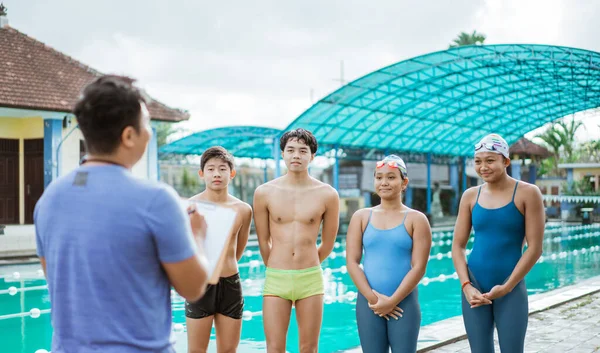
219	223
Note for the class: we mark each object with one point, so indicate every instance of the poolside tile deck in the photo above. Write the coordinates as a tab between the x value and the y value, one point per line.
563	320
571	327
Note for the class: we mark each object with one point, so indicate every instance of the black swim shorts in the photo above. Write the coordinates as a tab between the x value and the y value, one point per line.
223	298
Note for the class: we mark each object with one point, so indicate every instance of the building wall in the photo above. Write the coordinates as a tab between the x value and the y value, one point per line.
349	205
69	150
581	173
141	170
556	183
551	186
33	128
70	155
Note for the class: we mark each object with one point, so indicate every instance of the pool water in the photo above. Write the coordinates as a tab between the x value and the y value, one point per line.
571	253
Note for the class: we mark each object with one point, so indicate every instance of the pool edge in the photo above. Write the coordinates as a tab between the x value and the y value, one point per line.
451	330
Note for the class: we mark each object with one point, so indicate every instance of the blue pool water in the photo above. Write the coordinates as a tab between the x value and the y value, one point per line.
571	253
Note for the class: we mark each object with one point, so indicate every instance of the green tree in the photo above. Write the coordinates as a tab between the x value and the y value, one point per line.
553	140
547	166
581	187
569	130
189	183
164	131
164	135
590	151
468	39
560	138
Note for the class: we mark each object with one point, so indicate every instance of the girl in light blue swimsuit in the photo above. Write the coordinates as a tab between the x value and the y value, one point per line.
396	241
503	212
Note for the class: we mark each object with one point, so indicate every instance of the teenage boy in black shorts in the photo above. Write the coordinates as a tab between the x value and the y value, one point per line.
223	302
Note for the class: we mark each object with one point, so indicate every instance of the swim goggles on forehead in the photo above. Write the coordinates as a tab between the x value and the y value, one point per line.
487	146
393	164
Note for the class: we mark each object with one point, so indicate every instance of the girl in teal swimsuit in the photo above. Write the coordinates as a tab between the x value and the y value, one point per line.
504	214
396	241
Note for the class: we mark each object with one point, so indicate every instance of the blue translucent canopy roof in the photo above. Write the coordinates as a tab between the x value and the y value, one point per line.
444	102
241	141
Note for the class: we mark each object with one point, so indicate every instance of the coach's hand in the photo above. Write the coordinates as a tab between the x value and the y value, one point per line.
197	222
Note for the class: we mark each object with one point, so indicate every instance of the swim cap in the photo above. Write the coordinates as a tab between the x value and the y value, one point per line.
395	162
493	143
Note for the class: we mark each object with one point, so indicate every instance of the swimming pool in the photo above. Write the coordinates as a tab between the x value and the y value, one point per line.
571	253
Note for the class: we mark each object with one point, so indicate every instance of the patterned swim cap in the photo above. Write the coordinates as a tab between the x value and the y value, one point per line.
492	143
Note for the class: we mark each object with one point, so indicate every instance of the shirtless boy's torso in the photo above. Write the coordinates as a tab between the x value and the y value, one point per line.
289	212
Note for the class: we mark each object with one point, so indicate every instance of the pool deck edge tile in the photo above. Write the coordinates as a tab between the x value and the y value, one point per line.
442	333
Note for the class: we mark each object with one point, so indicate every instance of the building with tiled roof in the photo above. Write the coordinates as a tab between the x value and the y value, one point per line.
38	137
35	76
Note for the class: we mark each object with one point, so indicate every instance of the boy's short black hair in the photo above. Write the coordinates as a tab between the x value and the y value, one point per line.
301	135
107	106
216	152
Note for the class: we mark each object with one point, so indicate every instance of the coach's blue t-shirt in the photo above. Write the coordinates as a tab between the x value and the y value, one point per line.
103	234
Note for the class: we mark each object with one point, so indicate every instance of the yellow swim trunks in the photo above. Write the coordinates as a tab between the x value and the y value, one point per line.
294	284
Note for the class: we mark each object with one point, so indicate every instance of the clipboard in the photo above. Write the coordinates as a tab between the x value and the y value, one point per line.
219	223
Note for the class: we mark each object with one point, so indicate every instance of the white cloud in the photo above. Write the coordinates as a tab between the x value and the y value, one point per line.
589	131
124	54
237	63
523	21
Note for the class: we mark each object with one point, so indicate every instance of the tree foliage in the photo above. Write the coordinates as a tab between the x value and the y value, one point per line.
464	38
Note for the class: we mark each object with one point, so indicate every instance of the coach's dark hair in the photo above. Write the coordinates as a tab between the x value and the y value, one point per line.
216	152
301	135
107	106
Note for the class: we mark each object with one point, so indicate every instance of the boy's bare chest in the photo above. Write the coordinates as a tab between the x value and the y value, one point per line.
289	206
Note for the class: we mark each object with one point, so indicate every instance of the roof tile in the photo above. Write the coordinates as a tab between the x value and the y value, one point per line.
35	76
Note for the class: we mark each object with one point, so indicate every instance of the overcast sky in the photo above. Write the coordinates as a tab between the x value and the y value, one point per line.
259	62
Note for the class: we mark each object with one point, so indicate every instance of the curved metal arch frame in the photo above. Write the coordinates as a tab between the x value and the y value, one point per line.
516	61
241	141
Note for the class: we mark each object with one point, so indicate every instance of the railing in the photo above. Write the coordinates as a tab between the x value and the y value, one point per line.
571	198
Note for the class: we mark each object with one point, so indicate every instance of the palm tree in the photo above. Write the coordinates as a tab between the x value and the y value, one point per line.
591	150
553	139
164	132
560	138
570	129
468	39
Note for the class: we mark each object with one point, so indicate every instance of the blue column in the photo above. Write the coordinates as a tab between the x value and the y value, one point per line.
454	183
532	173
428	183
336	170
52	137
570	176
464	173
564	205
516	169
153	157
367	198
58	149
265	173
276	157
408	196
